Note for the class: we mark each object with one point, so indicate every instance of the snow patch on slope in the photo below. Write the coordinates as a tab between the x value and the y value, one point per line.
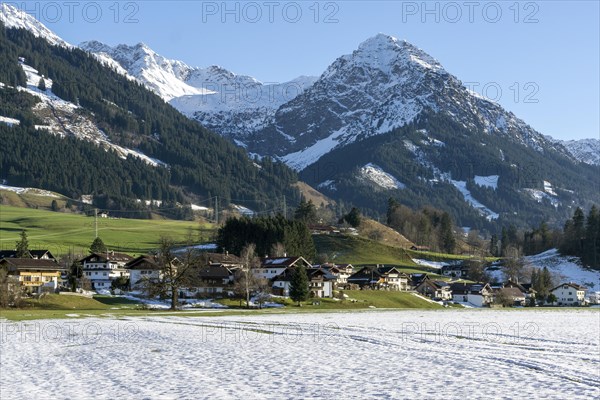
303	158
33	191
568	269
374	174
60	119
483	210
9	121
490	181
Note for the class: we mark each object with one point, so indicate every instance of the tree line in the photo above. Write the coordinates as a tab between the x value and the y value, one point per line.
201	163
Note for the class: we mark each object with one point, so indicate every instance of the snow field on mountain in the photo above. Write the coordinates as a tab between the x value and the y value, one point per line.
483	210
60	119
354	355
374	174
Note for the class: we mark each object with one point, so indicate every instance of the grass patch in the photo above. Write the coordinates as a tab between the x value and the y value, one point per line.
356	250
62	233
384	299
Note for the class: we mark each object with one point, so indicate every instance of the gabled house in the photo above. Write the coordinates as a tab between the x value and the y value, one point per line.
525	288
224	259
320	282
35	254
141	270
455	271
380	278
340	272
477	294
514	293
102	269
569	294
271	267
214	279
34	274
436	290
416	279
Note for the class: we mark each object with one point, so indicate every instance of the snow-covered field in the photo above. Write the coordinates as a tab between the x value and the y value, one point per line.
359	355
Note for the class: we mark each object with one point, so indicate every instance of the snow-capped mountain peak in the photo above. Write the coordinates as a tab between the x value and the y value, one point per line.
584	150
12	17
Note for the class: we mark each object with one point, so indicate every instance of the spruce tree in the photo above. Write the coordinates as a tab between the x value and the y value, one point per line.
98	246
591	248
42	84
299	285
22	246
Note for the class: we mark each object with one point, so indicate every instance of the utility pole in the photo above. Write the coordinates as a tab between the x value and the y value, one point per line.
96	221
217	210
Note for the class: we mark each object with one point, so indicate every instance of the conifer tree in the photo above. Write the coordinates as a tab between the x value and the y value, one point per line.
299	285
22	246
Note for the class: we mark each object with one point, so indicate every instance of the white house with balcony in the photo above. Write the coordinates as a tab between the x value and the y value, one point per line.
271	267
569	294
102	269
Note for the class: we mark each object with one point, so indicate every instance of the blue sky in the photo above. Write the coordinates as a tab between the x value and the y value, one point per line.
538	59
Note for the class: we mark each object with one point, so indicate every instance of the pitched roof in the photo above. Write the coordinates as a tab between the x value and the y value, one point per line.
143	262
465	288
40	253
513	292
282	261
30	263
571	284
108	256
32	253
222	258
214	272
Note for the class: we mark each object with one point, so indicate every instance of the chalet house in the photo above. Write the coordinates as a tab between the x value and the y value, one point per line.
35	275
380	278
273	266
569	294
455	271
525	288
224	259
320	282
35	254
477	294
322	229
514	293
102	269
436	290
142	269
341	272
416	279
215	279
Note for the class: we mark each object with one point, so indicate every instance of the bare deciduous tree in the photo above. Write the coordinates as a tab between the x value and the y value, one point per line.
246	282
175	273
